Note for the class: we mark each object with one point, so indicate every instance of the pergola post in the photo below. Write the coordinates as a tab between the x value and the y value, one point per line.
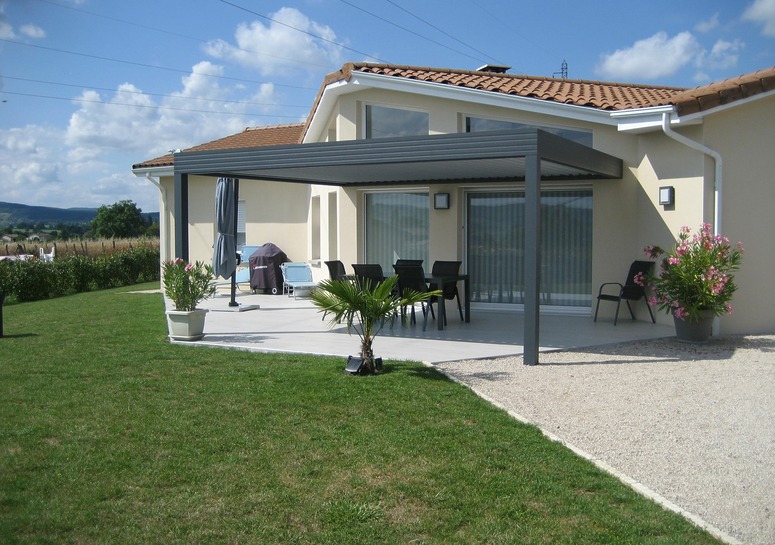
532	257
180	209
233	302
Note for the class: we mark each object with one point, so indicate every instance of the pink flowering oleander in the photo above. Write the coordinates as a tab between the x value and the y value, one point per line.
187	284
694	277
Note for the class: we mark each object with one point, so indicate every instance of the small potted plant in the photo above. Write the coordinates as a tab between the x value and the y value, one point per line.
186	285
365	309
694	281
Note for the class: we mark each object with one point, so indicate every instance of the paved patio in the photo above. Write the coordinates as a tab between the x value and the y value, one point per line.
285	324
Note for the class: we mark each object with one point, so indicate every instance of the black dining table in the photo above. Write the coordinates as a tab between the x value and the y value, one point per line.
440	280
436	281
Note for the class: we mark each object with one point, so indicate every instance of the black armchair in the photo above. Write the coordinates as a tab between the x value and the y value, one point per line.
629	291
370	273
336	270
449	289
412	277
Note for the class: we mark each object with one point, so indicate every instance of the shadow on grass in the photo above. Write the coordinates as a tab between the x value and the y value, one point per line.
19	336
416	370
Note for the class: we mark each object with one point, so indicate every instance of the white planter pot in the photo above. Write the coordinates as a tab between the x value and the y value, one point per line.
185	325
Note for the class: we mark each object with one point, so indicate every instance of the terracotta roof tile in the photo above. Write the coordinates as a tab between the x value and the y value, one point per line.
719	93
593	94
251	137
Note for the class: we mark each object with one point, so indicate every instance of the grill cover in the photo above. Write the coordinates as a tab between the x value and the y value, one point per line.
265	273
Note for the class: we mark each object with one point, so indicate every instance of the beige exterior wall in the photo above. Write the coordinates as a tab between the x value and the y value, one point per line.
275	212
745	138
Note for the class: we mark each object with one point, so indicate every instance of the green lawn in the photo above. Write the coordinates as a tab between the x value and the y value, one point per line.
110	435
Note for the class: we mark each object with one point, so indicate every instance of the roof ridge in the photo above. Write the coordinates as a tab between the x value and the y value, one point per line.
355	66
280	126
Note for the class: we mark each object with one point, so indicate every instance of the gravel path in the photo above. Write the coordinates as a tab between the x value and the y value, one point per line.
693	423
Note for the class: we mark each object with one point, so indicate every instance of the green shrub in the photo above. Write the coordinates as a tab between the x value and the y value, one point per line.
30	280
5	277
35	279
80	271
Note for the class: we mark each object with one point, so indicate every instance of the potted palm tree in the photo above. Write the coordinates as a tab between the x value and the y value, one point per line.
365	308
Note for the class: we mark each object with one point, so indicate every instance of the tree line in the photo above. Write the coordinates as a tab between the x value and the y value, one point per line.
122	219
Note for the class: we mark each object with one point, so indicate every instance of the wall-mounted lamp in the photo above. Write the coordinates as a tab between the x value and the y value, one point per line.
441	201
667	195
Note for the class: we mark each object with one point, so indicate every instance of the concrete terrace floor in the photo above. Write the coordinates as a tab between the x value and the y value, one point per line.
285	324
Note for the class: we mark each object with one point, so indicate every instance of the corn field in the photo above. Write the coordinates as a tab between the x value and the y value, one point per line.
90	248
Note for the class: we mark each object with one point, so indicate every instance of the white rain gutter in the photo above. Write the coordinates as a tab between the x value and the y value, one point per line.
717	182
163	215
716	156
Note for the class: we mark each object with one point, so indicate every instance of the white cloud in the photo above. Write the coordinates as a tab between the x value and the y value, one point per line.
32	31
29	170
762	12
279	48
131	121
707	26
6	31
89	162
724	54
656	57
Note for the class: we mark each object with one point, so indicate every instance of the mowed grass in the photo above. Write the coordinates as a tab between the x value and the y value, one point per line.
110	435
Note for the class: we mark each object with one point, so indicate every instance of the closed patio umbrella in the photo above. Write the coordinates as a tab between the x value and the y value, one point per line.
225	248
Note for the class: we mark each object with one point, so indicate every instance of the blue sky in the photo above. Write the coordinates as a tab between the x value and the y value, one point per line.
88	87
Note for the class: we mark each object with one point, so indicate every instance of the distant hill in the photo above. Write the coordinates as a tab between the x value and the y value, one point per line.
15	214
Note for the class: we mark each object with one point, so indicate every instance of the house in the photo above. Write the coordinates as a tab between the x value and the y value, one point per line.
413	162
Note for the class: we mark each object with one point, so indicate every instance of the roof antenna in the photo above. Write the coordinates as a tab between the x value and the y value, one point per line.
563	73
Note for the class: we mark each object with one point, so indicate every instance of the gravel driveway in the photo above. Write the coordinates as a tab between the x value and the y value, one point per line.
693	423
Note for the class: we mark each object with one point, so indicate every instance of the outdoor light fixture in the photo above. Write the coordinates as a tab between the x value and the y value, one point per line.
667	195
441	201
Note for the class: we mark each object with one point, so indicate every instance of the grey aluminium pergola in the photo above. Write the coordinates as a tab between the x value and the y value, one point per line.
527	155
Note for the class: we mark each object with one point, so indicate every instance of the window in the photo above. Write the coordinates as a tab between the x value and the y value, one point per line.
241	229
396	227
384	122
495	247
479	124
315	226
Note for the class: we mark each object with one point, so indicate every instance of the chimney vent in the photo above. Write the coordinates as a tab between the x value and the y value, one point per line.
494	68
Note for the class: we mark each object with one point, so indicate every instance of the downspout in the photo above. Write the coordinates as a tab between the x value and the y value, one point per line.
163	217
716	156
717	182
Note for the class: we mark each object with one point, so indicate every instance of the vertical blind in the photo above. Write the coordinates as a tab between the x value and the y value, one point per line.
241	224
396	227
495	247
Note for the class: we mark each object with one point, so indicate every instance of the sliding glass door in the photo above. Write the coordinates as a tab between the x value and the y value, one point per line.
495	247
396	228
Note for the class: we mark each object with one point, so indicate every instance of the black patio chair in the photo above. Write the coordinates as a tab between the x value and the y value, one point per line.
370	273
336	270
449	289
412	277
629	291
402	262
